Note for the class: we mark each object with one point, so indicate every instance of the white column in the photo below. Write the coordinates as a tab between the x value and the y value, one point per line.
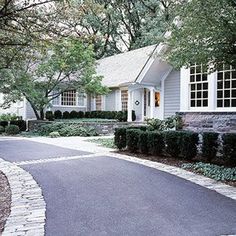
212	91
130	105
152	103
142	104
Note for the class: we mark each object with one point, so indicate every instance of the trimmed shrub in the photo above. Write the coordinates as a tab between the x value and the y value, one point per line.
143	142
73	114
73	130
119	116
80	114
132	138
209	145
229	148
2	129
87	114
12	129
155	143
20	123
66	115
172	141
120	138
49	115
189	142
58	114
4	123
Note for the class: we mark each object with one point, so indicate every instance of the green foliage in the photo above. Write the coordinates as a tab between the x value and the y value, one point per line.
20	123
67	129
132	138
206	33
173	122
229	148
66	64
213	171
2	129
12	129
80	114
210	145
8	117
87	114
73	114
58	114
189	142
49	115
173	143
120	138
143	142
4	123
156	143
66	115
54	135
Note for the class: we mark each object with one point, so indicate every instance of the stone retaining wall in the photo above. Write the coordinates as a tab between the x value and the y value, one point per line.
209	121
103	128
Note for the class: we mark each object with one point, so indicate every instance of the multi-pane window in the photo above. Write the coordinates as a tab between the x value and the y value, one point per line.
98	102
124	100
81	99
226	86
198	87
68	98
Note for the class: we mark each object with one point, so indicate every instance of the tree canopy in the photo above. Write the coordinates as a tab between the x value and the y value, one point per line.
206	33
46	73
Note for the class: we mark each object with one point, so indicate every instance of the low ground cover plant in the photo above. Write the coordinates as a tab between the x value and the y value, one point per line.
66	130
213	171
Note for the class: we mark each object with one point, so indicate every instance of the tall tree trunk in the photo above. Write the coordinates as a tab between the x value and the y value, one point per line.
41	114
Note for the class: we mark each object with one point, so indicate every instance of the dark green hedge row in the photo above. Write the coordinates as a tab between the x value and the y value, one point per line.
118	115
177	144
20	123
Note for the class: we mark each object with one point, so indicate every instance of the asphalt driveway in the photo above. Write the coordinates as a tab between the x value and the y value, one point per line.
24	150
107	196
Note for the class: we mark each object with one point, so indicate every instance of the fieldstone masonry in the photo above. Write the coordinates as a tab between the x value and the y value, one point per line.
103	128
209	121
28	207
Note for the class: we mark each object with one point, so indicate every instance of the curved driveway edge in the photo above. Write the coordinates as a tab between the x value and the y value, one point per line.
203	181
28	207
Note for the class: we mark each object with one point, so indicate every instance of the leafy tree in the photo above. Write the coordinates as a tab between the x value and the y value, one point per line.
117	26
65	64
206	33
25	23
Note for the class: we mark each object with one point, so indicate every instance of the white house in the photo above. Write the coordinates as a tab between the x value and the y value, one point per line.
140	80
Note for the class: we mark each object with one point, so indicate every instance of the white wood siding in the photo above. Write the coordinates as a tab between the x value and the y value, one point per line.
172	94
110	101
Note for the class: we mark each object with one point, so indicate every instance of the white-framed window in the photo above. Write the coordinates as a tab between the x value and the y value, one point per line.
124	100
68	98
226	87
198	83
81	99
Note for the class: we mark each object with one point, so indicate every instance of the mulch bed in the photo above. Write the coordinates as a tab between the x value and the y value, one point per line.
169	161
5	200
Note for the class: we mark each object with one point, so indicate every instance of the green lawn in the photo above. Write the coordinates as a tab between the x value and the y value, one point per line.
105	142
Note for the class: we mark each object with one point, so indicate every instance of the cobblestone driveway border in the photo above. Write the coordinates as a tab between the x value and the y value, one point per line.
28	207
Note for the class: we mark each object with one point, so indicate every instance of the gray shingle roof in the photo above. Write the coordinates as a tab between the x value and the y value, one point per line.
123	68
